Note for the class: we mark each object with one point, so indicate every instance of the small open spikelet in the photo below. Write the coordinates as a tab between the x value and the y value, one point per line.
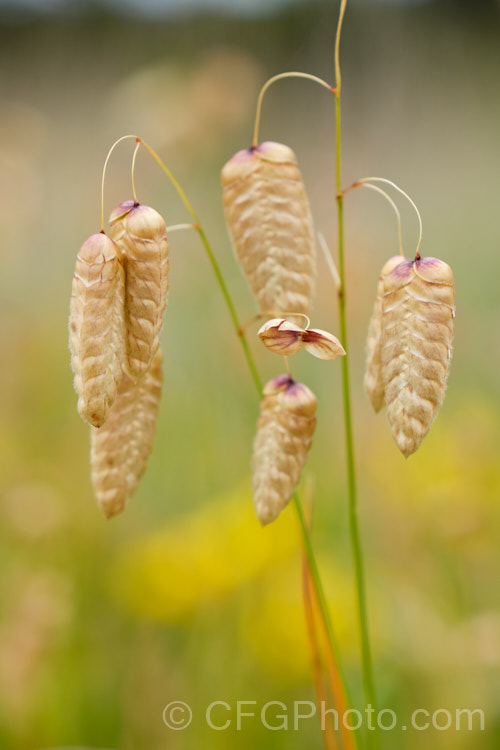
285	338
373	381
270	224
96	327
140	232
418	308
284	435
121	448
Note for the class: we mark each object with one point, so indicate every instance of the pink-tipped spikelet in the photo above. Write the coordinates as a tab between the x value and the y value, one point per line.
284	435
374	382
96	327
418	310
140	232
121	448
269	220
281	336
322	344
285	338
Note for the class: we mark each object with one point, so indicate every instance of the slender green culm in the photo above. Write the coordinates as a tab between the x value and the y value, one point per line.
366	657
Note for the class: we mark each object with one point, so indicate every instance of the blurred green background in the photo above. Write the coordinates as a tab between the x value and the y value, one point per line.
184	597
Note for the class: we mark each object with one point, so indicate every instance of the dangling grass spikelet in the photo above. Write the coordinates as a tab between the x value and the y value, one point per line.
373	382
285	338
121	448
140	232
418	309
96	327
284	435
322	344
281	337
270	224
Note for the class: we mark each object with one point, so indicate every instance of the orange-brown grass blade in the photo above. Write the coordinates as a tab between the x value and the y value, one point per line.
140	232
327	728
96	326
348	735
338	692
121	448
418	310
269	220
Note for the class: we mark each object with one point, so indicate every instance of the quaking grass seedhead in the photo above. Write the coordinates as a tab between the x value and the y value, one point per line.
284	435
121	448
418	310
96	327
373	381
269	220
140	233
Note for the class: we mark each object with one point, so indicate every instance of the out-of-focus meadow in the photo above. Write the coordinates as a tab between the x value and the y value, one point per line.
184	597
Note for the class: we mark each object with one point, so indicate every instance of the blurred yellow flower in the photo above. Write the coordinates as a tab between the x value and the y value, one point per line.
199	557
454	475
221	549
